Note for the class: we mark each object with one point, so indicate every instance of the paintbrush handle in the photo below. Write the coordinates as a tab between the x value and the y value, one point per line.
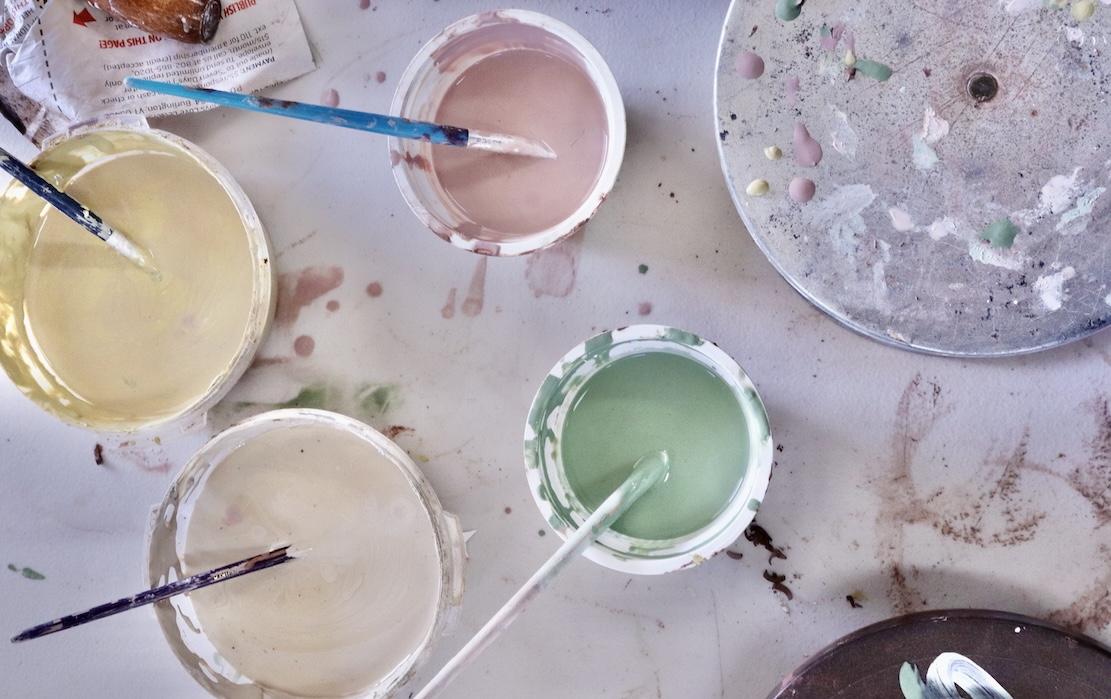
648	471
351	119
193	582
72	208
347	118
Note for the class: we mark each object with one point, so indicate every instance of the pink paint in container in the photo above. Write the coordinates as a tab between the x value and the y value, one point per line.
523	74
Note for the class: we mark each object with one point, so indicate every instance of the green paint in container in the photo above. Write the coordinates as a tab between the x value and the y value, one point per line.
657	401
628	392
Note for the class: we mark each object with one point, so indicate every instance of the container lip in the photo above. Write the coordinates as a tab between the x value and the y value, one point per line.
262	314
564	513
613	104
447	533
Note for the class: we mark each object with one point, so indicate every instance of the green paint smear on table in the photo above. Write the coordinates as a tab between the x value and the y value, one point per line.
657	401
29	573
873	69
1001	233
643	269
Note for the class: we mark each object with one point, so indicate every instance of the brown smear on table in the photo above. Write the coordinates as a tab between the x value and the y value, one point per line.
296	290
991	507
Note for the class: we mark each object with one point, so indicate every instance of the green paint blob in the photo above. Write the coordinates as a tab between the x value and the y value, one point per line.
643	269
28	573
873	69
788	10
314	396
657	401
1001	233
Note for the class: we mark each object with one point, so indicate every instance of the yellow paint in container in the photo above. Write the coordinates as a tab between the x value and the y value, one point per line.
98	342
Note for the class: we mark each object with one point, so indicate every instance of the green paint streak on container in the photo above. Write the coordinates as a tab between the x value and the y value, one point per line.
657	401
683	337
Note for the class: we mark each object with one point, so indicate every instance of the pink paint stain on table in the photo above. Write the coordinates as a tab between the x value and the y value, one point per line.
448	311
330	98
645	308
380	77
374	290
551	272
476	294
303	346
791	89
296	290
332	305
364	4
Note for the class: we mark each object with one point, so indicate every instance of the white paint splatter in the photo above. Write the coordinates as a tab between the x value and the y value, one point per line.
840	215
1107	299
1075	35
1017	7
934	128
942	227
1056	195
1051	288
1083	207
900	219
924	157
1008	258
842	136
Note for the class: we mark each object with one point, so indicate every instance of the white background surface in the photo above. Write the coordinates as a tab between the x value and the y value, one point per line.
913	482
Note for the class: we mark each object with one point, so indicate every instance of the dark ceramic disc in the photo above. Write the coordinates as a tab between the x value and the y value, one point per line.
1028	658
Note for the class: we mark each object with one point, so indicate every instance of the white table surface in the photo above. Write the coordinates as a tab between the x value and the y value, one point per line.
910	481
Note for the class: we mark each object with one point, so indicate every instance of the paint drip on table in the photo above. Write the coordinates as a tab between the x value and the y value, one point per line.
98	342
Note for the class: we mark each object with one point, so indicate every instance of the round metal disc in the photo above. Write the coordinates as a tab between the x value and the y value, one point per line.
959	154
1027	657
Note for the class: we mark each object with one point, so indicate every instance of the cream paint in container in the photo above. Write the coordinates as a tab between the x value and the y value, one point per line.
377	576
94	340
523	74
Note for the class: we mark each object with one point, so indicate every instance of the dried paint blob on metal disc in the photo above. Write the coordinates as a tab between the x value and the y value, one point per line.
955	160
925	655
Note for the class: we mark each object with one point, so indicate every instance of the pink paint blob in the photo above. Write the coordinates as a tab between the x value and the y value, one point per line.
303	346
332	305
535	94
298	289
645	308
330	98
364	4
749	65
374	290
801	190
808	152
380	77
829	43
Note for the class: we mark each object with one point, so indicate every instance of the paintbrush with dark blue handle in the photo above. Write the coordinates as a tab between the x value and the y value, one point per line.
193	582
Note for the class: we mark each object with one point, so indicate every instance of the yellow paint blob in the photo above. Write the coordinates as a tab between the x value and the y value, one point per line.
773	153
1082	9
757	188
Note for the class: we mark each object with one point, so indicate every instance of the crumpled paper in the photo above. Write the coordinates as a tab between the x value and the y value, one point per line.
66	62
